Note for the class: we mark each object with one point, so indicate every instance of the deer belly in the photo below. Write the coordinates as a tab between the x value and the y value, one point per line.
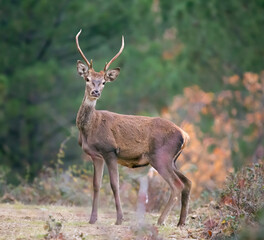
134	162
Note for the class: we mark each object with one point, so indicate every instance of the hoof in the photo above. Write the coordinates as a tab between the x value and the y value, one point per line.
92	220
161	222
181	224
119	221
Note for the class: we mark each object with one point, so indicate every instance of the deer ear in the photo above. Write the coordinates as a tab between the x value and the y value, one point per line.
81	68
112	74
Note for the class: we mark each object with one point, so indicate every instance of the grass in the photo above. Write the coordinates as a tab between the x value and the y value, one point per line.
20	221
237	213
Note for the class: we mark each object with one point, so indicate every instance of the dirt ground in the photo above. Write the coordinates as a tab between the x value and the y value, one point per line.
18	221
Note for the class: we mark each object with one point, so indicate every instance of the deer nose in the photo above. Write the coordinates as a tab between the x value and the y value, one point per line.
95	93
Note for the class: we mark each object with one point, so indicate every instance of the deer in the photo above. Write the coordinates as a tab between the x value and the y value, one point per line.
129	140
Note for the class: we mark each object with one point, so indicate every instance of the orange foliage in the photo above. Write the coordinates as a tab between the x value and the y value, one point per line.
236	113
233	80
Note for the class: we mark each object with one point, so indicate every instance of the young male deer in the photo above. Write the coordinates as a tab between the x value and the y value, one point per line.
132	141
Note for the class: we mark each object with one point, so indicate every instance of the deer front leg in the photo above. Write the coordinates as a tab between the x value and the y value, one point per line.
97	179
114	181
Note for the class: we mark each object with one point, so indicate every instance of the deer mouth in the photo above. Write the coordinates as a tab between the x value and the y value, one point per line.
96	96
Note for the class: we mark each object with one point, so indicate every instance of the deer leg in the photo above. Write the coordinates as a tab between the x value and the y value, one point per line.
114	182
174	182
162	163
185	195
97	179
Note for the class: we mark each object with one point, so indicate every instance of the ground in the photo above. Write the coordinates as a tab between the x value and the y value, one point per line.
18	221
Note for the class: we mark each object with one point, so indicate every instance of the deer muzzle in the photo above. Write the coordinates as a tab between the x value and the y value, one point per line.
95	93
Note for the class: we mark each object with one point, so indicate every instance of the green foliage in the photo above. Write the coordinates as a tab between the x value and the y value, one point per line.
40	94
4	171
220	38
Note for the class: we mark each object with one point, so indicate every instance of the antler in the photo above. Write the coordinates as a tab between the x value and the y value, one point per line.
116	56
80	50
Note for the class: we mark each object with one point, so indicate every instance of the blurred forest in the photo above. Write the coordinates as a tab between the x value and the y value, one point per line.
198	63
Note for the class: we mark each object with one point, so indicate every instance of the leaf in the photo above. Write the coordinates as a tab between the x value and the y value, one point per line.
228	200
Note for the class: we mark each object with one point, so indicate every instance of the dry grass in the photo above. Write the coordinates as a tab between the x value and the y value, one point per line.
18	221
238	214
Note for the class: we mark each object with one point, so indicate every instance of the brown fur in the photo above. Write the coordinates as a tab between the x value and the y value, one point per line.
131	141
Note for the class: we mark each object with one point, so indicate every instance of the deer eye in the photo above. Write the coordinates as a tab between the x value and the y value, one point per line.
103	83
87	80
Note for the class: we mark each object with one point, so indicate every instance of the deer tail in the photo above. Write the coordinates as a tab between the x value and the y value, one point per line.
186	139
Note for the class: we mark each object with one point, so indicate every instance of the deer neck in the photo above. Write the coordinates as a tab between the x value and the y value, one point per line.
86	112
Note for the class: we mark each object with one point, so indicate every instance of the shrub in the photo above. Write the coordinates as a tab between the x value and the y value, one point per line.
243	198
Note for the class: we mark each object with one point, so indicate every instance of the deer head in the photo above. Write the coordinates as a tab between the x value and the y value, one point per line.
95	81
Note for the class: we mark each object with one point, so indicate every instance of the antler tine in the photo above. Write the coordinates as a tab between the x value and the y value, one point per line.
116	56
80	50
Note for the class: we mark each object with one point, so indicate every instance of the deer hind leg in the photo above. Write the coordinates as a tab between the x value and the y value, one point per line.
185	195
163	164
174	183
185	192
